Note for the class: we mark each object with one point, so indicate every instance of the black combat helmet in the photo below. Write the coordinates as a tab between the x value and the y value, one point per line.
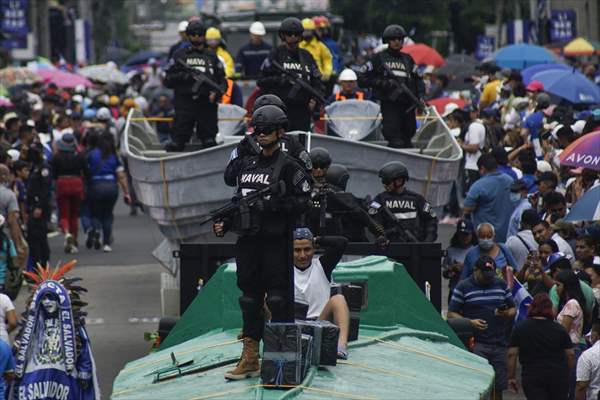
393	170
269	117
392	32
290	25
320	158
195	28
269	100
337	175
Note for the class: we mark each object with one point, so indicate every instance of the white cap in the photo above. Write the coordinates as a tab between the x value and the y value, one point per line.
578	126
14	154
449	108
257	28
103	114
77	98
79	89
544	166
182	26
347	75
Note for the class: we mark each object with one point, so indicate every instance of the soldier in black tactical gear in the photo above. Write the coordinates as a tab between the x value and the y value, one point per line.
249	146
38	205
405	215
299	103
321	160
264	246
195	105
382	73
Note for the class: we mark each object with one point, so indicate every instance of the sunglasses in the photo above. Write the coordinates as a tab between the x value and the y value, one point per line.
266	131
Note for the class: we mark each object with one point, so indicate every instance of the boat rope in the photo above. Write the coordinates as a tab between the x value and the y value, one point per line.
188	351
302	387
165	185
429	177
171	119
424	353
374	369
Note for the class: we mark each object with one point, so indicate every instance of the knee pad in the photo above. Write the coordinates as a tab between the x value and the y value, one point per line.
277	305
250	304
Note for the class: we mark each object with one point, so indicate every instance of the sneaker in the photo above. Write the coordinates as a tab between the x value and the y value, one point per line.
106	248
97	240
89	242
68	243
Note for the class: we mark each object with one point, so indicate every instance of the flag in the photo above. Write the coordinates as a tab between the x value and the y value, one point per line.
522	300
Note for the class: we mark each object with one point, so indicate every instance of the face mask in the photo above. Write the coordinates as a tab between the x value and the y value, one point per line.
514	197
486	244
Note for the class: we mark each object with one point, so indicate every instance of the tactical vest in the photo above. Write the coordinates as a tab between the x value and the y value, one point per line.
249	221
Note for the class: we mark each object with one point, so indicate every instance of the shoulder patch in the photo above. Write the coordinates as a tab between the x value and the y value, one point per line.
298	177
305	158
305	187
233	155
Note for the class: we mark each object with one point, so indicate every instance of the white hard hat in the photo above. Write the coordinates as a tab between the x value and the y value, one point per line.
347	75
257	28
103	114
182	26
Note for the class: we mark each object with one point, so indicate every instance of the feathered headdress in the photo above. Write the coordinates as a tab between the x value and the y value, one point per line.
48	274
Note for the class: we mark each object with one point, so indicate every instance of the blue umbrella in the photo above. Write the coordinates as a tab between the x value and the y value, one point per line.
520	56
587	208
571	85
529	72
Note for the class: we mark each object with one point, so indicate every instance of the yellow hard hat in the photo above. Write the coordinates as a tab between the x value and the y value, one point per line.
308	24
113	101
213	33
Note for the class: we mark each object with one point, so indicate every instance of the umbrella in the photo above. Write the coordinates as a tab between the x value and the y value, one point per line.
424	55
104	73
581	47
587	208
17	76
584	152
520	56
142	57
63	79
528	72
461	81
441	102
570	85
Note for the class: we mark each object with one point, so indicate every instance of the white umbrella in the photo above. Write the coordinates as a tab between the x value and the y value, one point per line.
104	73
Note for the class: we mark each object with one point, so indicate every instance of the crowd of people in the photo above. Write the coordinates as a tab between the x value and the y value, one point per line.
60	167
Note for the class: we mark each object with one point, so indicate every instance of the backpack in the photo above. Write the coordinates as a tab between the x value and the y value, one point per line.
14	276
491	139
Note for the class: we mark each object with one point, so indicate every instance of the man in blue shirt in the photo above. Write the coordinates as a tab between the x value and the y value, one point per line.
251	56
502	159
488	199
487	301
520	201
534	123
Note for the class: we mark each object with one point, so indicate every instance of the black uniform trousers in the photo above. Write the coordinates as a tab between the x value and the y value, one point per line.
398	125
197	117
37	239
263	267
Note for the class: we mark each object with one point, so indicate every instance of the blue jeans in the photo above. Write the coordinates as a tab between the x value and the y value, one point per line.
103	196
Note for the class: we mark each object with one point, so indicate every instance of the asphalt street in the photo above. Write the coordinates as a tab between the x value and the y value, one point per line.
124	292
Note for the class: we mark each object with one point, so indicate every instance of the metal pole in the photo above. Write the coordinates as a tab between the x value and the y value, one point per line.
43	24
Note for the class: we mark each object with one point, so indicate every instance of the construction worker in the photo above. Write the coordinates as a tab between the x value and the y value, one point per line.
317	49
324	33
215	42
348	88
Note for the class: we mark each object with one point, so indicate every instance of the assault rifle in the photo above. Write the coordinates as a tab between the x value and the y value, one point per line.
243	205
200	79
299	84
400	88
404	234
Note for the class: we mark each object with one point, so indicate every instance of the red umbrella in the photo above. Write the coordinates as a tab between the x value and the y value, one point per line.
424	55
63	79
440	103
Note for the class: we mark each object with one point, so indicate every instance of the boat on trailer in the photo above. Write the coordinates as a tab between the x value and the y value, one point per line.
177	189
